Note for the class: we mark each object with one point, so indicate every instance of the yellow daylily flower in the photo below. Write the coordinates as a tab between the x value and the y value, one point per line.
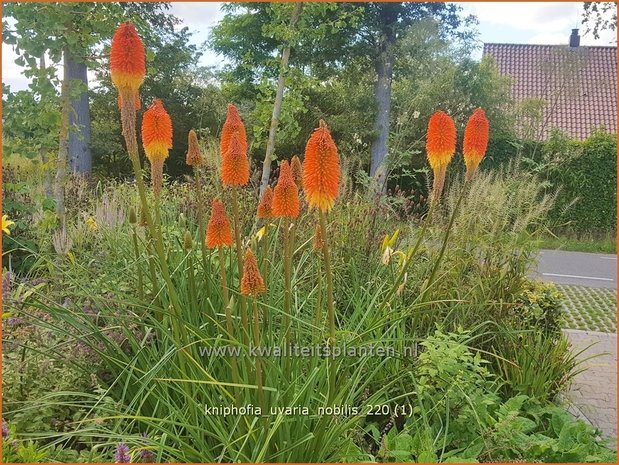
389	242
6	222
260	233
91	223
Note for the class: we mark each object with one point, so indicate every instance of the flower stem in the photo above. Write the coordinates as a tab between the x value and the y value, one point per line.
239	258
287	282
318	317
330	303
201	225
256	319
265	252
409	258
454	213
136	249
228	312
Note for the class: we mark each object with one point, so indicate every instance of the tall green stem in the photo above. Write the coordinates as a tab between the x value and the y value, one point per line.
200	211
256	319
330	301
265	252
239	258
409	258
454	213
136	249
287	282
228	312
318	317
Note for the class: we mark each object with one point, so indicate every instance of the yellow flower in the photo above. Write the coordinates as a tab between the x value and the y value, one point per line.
6	222
260	233
91	223
389	242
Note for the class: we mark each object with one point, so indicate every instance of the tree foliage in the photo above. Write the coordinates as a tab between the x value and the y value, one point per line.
599	16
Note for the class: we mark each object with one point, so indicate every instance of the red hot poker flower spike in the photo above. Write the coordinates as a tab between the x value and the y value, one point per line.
218	232
286	195
233	145
252	283
321	169
127	62
156	132
265	206
475	144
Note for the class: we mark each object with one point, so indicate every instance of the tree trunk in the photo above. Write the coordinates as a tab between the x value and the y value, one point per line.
47	175
384	74
80	157
277	107
63	148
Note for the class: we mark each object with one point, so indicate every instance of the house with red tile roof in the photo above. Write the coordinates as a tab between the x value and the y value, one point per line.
568	87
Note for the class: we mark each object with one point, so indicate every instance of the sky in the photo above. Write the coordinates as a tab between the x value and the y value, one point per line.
506	22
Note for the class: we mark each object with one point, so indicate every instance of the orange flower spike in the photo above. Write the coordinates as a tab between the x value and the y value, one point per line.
265	210
234	163
218	232
232	125
440	147
441	140
297	170
156	132
321	169
252	283
127	62
475	144
233	146
194	154
286	195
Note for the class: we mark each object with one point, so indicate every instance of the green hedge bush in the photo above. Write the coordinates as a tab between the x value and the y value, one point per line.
582	173
586	174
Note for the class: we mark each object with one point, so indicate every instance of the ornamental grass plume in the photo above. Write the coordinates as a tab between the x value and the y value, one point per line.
157	140
218	233
127	63
233	145
286	202
252	283
297	170
440	147
475	143
321	169
194	153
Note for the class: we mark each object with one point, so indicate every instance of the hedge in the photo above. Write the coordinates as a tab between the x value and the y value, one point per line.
586	176
582	173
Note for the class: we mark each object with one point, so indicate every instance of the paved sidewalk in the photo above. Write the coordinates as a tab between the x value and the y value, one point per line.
594	391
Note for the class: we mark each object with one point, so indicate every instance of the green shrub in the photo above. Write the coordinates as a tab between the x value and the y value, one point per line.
539	307
585	176
458	416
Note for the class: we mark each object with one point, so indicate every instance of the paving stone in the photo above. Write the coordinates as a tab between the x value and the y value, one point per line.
594	391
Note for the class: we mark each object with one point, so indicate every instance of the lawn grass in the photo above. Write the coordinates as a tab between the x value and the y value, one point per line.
585	243
590	309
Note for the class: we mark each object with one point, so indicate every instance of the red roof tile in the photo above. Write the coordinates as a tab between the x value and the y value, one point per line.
577	85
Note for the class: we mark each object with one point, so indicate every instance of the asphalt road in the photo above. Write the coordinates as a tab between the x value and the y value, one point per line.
583	269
